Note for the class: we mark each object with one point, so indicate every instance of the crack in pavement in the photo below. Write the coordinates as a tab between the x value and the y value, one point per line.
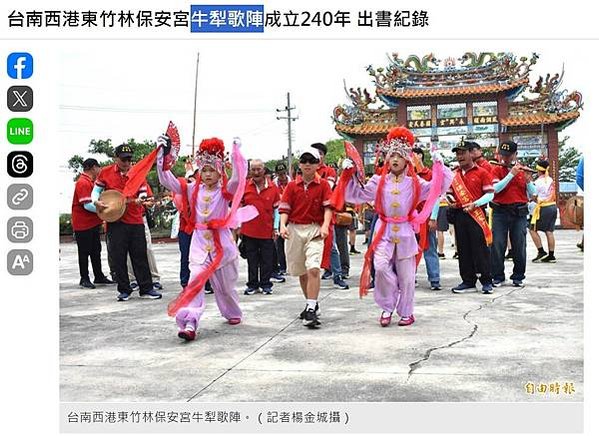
415	365
228	370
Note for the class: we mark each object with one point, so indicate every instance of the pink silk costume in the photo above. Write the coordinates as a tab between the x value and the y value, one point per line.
395	255
211	204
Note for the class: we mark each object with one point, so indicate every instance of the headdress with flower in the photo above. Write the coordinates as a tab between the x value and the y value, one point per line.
399	140
212	153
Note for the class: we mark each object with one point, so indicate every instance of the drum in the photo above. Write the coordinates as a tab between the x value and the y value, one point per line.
116	203
574	210
343	219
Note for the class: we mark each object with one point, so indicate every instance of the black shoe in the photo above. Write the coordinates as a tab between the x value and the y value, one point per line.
345	276
303	314
103	281
85	283
277	278
455	255
540	255
311	319
509	255
327	275
354	251
441	255
157	286
151	294
340	283
124	296
550	258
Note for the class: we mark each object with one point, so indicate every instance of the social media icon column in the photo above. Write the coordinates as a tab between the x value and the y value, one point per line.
19	163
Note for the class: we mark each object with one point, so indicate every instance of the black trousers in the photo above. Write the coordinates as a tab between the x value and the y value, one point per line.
475	255
89	245
129	238
260	253
342	247
280	249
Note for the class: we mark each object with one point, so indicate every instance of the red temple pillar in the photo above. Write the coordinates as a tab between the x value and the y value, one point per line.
502	113
553	157
402	113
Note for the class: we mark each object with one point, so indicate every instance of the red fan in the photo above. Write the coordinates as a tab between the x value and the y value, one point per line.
354	155
170	159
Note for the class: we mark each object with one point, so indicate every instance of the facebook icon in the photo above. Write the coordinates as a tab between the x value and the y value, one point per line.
19	65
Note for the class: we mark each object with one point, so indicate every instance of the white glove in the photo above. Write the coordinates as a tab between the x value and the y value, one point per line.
347	164
237	141
436	156
162	141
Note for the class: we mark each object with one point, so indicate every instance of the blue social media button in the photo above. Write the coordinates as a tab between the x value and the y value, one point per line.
19	65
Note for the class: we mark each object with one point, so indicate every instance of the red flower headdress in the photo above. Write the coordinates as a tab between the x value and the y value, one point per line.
212	153
399	140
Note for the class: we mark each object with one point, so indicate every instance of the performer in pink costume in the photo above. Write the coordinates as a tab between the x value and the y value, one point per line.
396	192
213	252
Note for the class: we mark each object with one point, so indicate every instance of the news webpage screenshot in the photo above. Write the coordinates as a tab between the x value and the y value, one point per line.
298	217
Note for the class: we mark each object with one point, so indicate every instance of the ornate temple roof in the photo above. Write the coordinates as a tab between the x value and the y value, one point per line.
477	74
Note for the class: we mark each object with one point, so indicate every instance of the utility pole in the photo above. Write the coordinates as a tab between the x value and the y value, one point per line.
195	101
289	119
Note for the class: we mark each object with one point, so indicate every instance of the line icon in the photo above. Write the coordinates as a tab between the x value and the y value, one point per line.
19	131
19	164
19	98
19	65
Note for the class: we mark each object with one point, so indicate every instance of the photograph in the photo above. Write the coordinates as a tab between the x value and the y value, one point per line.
348	221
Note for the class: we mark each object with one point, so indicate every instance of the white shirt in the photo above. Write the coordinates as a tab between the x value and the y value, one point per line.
544	185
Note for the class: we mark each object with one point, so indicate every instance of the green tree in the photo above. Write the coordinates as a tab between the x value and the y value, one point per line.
104	149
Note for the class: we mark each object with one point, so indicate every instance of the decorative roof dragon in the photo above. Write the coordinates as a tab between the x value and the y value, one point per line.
550	98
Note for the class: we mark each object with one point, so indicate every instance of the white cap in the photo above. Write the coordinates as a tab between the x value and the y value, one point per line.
189	173
311	151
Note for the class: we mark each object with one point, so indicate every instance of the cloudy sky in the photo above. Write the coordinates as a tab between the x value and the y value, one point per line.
122	90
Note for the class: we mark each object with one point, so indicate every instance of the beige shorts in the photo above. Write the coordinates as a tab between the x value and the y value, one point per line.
304	248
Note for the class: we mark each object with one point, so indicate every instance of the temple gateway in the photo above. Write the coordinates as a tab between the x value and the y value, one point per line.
480	96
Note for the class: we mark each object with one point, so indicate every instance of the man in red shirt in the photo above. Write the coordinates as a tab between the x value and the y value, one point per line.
86	225
258	233
510	210
331	259
281	181
478	158
472	188
305	220
127	235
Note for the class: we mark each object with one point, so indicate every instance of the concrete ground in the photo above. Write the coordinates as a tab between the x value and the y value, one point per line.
469	347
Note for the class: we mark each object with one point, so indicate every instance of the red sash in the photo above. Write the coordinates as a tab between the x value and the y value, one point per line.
464	197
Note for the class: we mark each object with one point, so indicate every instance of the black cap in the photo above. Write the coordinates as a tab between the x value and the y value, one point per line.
463	145
418	150
320	146
474	144
280	167
88	164
123	150
508	147
543	163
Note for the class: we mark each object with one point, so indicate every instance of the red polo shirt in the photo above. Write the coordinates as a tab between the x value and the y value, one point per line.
515	191
327	173
111	178
485	165
281	185
266	201
426	174
477	181
81	218
306	204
